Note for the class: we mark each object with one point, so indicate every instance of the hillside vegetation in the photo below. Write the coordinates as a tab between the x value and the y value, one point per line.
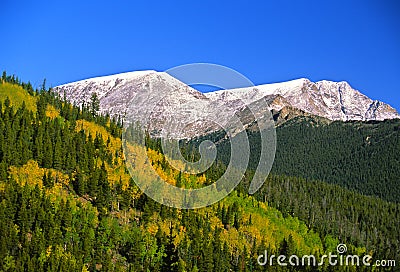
361	156
18	97
67	203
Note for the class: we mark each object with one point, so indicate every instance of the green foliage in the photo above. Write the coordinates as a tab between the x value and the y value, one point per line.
360	156
333	211
17	96
94	104
82	214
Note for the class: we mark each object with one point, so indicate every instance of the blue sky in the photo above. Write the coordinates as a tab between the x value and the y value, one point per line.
267	41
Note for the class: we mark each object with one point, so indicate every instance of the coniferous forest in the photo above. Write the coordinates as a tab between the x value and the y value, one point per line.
68	203
360	156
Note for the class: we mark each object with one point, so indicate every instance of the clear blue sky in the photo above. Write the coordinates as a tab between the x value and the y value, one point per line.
267	41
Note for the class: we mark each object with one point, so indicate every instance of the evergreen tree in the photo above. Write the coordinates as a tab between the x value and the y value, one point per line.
170	261
47	180
94	104
58	153
103	197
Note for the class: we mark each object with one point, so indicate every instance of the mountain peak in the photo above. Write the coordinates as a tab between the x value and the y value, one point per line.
178	101
113	77
328	99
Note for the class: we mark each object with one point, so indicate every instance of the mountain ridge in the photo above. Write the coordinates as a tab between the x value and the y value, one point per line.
183	104
329	99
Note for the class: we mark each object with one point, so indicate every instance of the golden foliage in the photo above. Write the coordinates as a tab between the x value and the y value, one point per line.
52	112
17	96
31	174
115	172
93	128
170	174
152	228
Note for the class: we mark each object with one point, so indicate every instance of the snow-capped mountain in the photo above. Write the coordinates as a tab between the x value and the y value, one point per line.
153	98
332	100
157	99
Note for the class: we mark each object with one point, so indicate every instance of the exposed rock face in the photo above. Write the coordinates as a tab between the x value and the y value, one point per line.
332	100
155	98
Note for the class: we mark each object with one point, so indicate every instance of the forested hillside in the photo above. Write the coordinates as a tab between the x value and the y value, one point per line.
360	156
67	203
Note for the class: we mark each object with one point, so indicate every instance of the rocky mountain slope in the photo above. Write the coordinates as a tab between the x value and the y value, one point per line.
160	100
332	100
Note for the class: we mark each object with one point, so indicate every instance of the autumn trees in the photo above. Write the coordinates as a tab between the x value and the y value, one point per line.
66	204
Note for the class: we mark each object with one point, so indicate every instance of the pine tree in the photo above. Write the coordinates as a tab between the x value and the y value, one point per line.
103	197
78	183
3	170
58	153
48	152
94	104
48	180
4	76
170	261
43	86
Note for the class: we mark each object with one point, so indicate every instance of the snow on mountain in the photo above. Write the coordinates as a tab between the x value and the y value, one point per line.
80	91
149	97
159	99
332	100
